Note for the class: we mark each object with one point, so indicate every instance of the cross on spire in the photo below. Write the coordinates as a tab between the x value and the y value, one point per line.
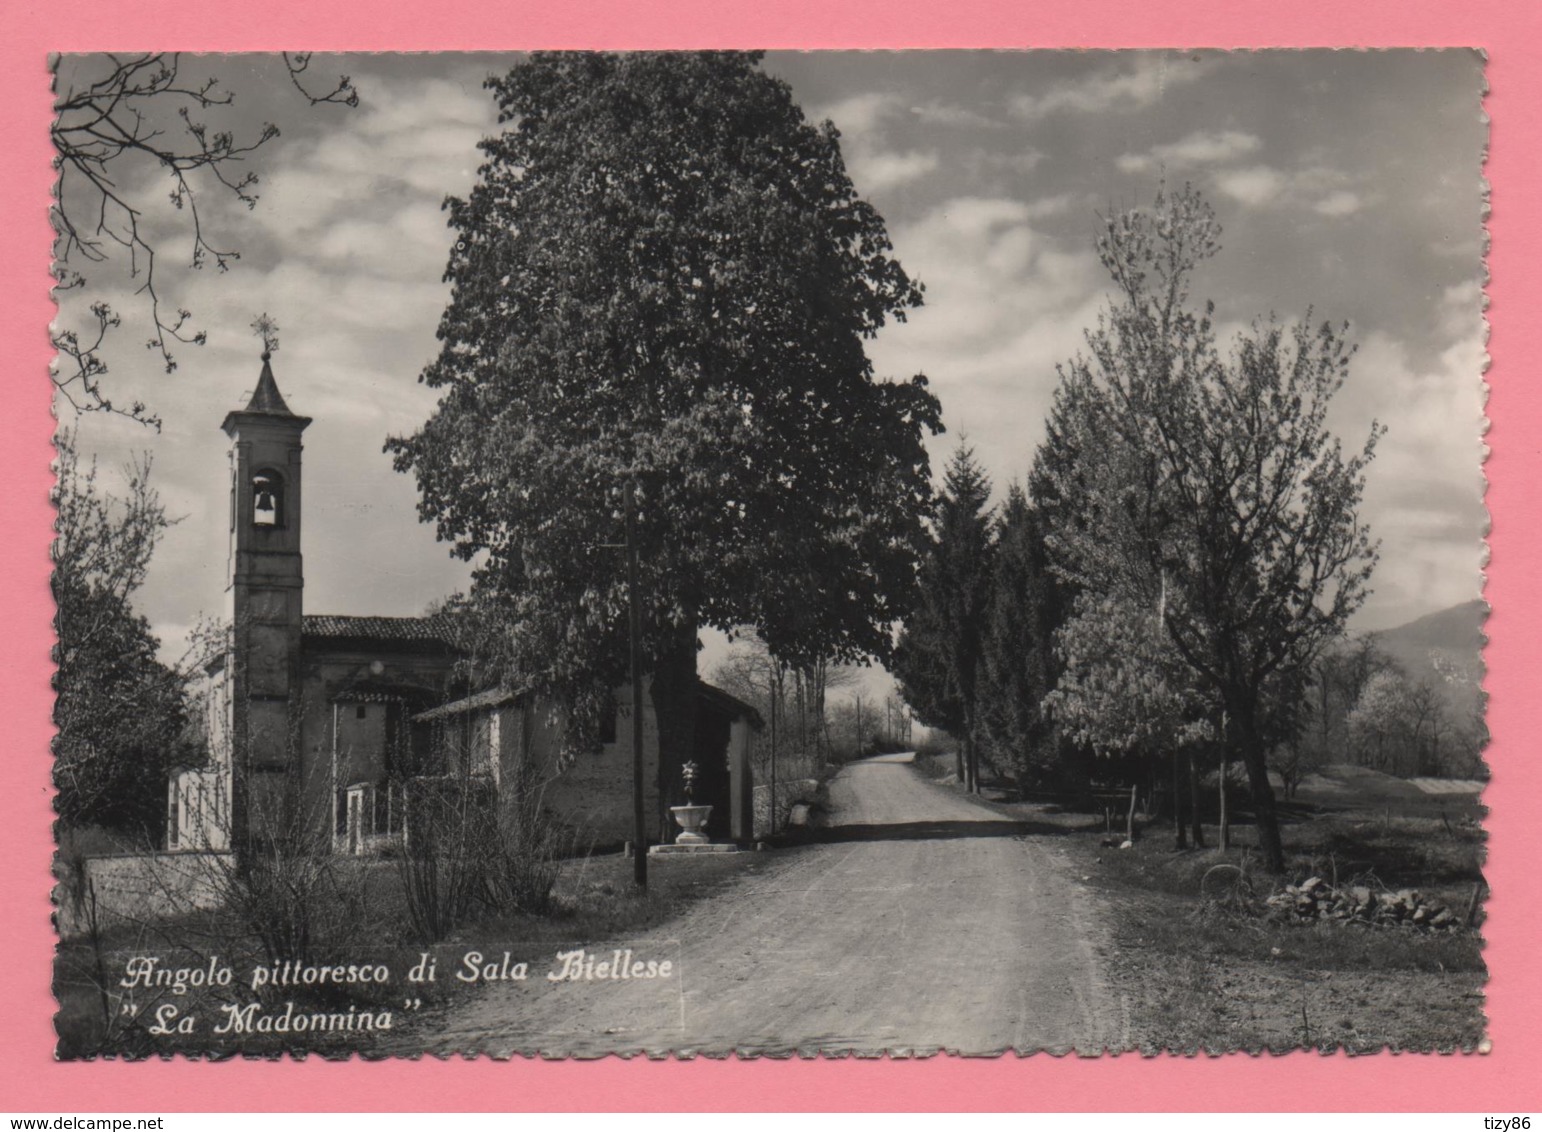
266	327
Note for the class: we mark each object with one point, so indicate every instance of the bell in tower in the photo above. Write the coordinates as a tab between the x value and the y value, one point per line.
268	499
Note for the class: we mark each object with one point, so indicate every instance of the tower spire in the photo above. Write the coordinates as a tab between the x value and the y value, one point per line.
266	402
266	398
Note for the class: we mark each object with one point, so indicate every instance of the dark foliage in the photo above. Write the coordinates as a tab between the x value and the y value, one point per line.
120	712
937	660
662	286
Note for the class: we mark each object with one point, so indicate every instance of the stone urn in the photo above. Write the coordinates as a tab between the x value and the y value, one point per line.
690	816
691	819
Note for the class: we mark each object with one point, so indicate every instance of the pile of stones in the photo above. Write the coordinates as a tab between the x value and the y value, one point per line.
1315	899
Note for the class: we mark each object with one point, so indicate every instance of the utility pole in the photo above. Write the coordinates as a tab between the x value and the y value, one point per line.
634	616
771	671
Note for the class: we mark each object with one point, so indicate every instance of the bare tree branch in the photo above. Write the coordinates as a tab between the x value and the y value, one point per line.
141	112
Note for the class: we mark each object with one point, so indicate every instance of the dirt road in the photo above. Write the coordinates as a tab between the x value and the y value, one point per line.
921	921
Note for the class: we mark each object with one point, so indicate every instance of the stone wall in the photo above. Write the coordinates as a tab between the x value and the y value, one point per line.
593	794
139	887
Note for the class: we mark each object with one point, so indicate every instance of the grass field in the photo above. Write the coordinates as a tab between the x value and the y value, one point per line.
1210	972
1203	968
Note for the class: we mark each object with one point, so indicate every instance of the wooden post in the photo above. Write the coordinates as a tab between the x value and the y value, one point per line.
634	617
1130	820
1472	905
741	819
773	753
1198	833
1225	817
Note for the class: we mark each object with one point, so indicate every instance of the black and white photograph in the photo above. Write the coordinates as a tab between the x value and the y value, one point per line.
769	553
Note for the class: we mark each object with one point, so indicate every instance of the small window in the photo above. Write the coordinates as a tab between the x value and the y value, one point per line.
267	499
361	712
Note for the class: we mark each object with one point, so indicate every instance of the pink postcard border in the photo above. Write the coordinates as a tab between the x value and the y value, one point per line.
1503	1080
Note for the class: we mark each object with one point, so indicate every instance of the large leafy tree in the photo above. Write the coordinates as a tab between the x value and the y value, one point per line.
663	282
938	657
1209	480
120	712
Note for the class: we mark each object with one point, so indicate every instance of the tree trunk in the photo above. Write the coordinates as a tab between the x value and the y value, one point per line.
673	693
1199	827
1221	787
817	707
1180	831
972	747
971	766
1255	759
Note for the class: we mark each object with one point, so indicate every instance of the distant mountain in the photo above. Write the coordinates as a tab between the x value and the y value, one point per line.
1444	648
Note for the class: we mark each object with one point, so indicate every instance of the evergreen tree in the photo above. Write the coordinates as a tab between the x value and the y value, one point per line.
938	657
1018	662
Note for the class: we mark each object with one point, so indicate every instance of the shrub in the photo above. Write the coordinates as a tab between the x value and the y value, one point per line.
472	848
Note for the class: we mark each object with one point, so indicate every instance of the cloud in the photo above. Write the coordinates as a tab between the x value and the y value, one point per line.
1045	207
1005	303
1423	497
1017	161
937	113
1339	203
388	171
1253	186
857	115
875	171
873	167
861	120
1315	187
1129	86
1203	147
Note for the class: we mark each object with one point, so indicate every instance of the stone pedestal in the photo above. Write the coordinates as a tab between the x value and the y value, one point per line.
699	847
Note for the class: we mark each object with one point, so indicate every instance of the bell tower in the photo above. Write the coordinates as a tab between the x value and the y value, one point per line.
265	591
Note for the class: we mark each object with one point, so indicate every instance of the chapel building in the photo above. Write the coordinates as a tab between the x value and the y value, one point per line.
334	728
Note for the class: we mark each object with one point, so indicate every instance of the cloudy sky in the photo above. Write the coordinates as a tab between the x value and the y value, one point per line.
1347	182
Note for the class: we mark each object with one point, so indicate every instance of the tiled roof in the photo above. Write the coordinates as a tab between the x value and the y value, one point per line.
729	703
383	630
496	697
372	690
493	697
